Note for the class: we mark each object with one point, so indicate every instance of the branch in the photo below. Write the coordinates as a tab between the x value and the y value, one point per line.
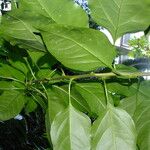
128	75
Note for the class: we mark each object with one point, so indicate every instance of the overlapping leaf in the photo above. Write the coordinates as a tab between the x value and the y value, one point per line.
10	72
114	130
121	16
58	100
31	105
122	89
142	121
138	106
79	48
59	11
70	130
93	93
18	32
19	25
139	95
11	103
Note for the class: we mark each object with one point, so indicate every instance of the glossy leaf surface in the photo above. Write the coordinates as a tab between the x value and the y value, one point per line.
59	11
18	31
79	48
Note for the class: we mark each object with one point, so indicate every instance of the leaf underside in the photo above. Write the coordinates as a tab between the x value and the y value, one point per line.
121	16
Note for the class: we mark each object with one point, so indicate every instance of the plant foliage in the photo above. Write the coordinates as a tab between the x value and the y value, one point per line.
58	63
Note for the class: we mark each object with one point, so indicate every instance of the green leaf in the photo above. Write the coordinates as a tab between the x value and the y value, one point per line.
30	106
19	65
114	130
58	100
138	106
144	89
48	127
19	32
10	85
129	104
11	103
39	99
138	97
79	48
120	68
142	121
34	12
10	72
59	11
70	130
35	56
121	16
18	26
94	95
121	89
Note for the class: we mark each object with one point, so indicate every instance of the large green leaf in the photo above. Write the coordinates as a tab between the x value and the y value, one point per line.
19	32
121	16
79	48
11	103
138	106
121	89
58	11
58	100
70	130
94	94
143	89
142	121
129	104
11	85
114	130
10	72
19	25
137	97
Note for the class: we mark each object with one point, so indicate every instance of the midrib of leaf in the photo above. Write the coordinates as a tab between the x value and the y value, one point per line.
50	15
71	97
109	114
116	30
100	3
86	49
111	127
93	95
